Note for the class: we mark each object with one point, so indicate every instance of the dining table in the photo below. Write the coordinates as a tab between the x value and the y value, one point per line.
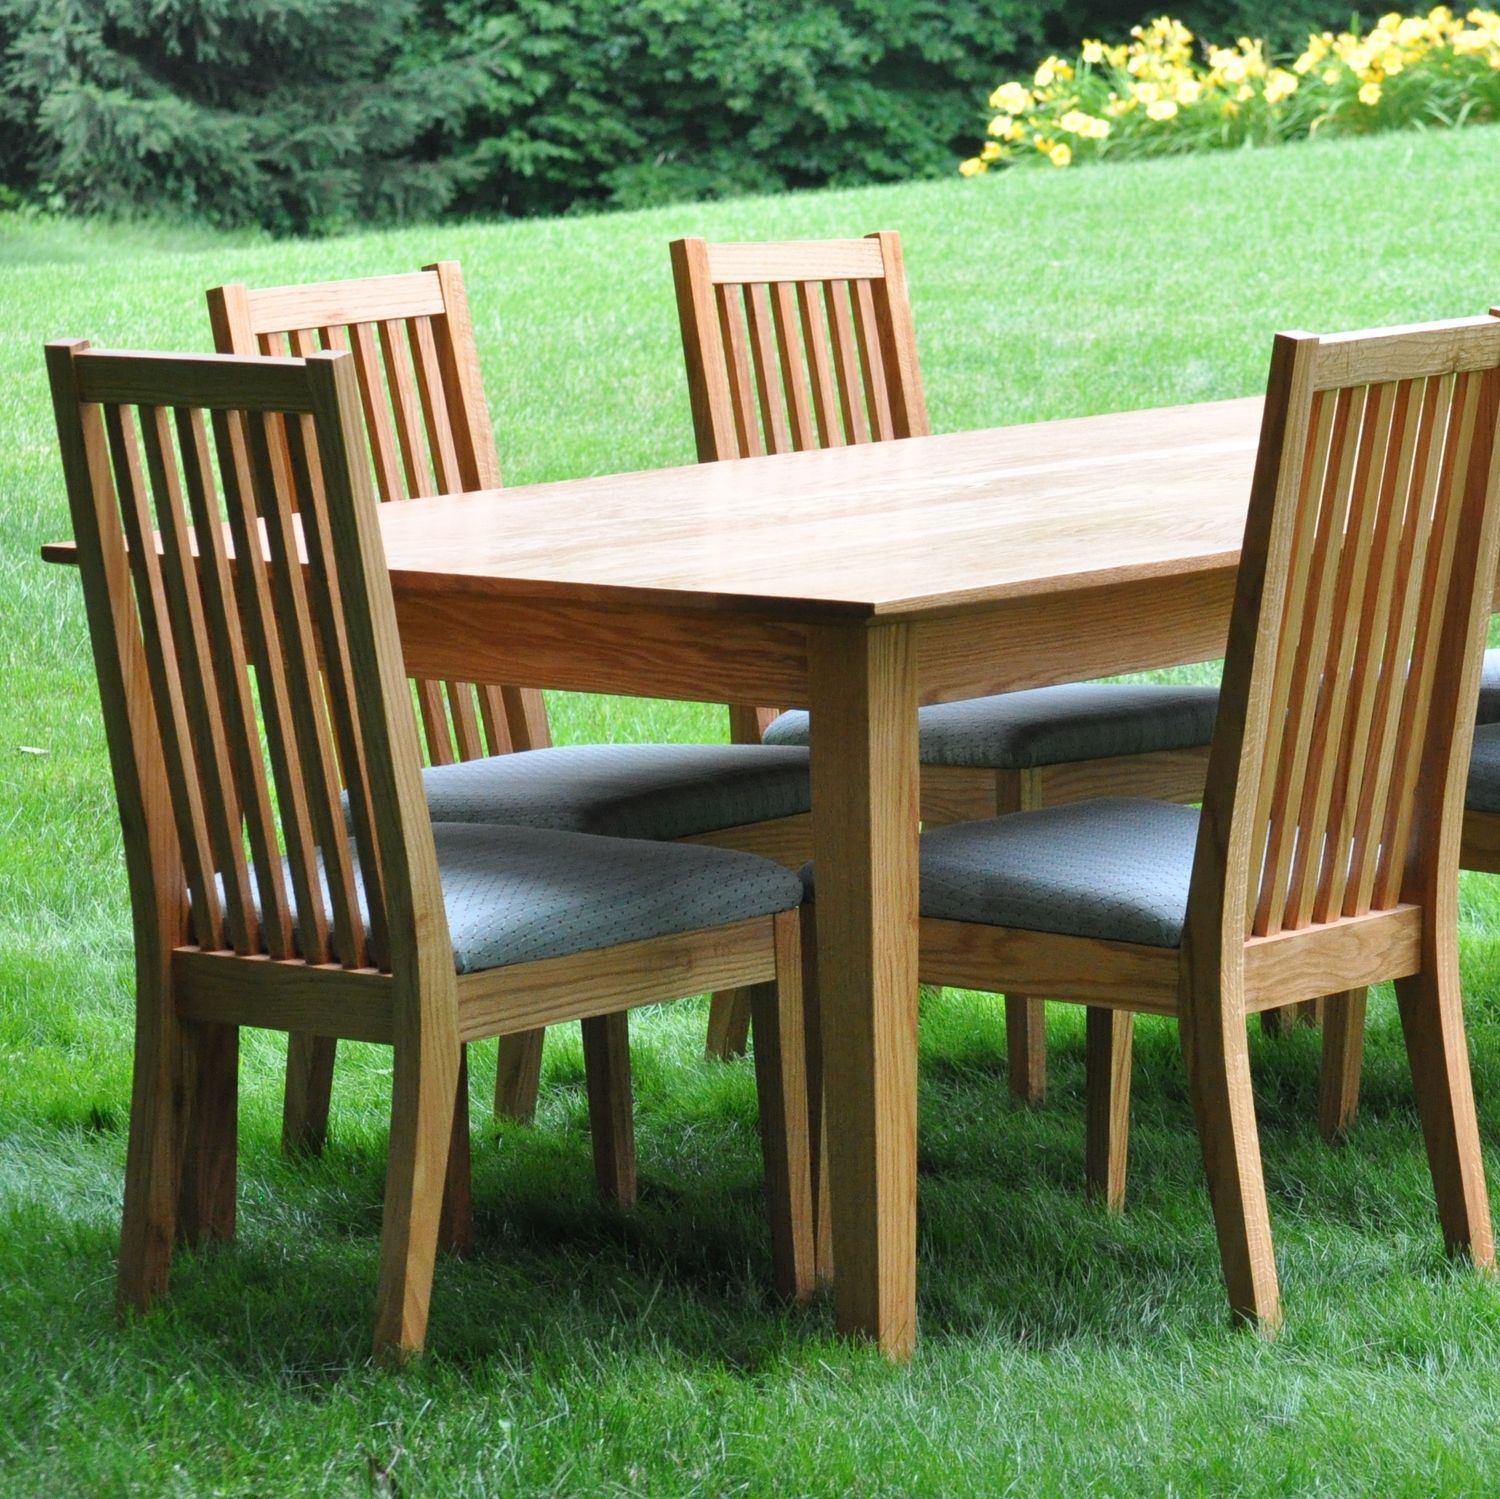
858	582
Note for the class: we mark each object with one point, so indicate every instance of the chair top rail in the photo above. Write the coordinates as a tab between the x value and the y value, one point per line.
284	309
796	260
213	382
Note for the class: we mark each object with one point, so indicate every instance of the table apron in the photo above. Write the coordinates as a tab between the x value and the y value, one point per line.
727	656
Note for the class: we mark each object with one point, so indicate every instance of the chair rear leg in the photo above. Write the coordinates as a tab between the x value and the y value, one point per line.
1026	1047
817	1116
309	1088
518	1075
781	1079
1216	1049
153	1157
1107	1070
206	1205
606	1067
728	1025
422	1103
1343	1054
1432	1022
456	1230
1280	1021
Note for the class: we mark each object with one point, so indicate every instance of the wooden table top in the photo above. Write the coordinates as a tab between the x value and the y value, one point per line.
900	529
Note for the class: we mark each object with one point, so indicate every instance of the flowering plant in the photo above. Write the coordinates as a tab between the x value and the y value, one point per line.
1164	92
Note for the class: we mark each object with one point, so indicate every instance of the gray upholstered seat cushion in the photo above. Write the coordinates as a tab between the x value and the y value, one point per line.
624	790
516	895
1489	689
1483	793
1051	725
1115	867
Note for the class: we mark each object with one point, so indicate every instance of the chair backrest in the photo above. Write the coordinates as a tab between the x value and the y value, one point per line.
1336	778
426	428
243	700
799	345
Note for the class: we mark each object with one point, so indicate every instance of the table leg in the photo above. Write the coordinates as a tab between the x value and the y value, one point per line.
865	824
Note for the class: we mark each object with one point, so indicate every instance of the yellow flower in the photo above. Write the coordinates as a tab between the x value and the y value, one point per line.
972	167
1161	109
1013	98
1147	93
1189	91
991	151
1370	94
999	125
1280	85
1093	52
1332	75
1061	155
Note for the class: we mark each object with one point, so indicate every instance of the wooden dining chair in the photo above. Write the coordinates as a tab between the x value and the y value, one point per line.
284	870
427	430
1325	857
811	344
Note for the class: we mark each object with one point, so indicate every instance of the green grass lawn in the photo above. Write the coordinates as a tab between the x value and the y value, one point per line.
1062	1351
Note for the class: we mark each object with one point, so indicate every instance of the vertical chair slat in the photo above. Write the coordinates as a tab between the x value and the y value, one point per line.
373	399
309	722
867	335
793	370
450	480
815	340
399	381
301	341
763	356
259	614
465	721
846	363
183	782
492	716
198	678
1397	419
228	645
434	714
1446	524
1418	475
741	393
341	691
1326	774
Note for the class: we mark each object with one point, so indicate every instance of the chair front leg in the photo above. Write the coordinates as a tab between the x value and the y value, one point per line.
606	1068
206	1205
1107	1062
781	1079
518	1075
1343	1055
309	1090
1432	1021
456	1231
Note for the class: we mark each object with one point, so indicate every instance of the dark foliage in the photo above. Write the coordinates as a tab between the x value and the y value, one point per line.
309	115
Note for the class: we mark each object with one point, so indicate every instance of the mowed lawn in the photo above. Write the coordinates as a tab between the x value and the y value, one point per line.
1063	1351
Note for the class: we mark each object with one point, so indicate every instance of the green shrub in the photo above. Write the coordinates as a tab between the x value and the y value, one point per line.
634	102
294	115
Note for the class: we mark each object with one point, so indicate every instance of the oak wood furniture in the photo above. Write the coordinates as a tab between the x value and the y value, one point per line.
1326	853
811	344
251	703
857	582
428	431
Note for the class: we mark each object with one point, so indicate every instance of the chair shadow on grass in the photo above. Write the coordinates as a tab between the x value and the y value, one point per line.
1009	1249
